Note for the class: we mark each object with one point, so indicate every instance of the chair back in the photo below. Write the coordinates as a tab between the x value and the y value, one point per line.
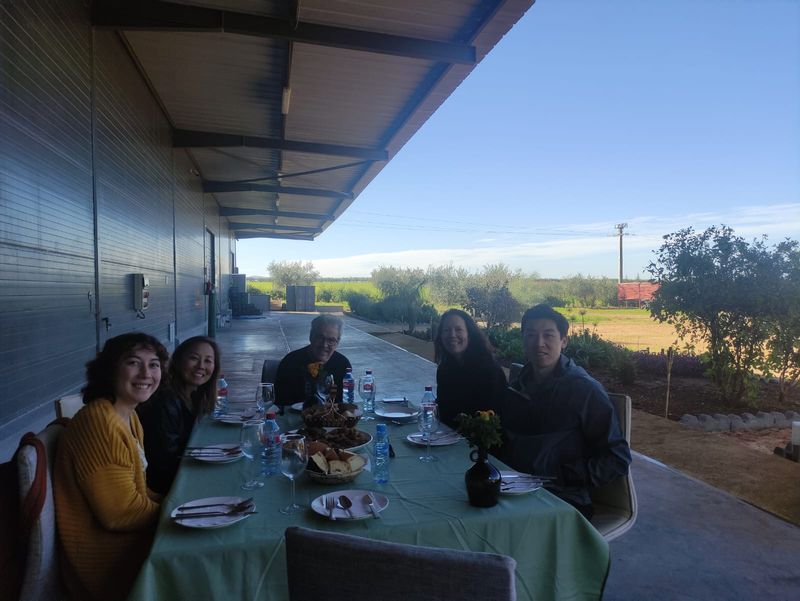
269	370
68	406
513	372
35	460
615	503
331	566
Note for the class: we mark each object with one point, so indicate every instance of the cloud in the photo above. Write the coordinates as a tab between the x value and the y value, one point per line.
594	253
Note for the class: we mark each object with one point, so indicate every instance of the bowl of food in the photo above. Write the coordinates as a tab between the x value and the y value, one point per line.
330	466
349	439
332	415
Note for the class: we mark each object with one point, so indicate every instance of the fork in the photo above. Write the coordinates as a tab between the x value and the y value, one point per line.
330	505
240	506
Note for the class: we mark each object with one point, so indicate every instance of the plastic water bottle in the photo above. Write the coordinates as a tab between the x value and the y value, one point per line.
348	386
380	471
366	390
221	406
271	441
427	396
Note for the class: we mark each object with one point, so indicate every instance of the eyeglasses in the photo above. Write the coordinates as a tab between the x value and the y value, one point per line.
328	341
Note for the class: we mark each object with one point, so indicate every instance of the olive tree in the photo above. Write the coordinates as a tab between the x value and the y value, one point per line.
292	273
713	288
402	293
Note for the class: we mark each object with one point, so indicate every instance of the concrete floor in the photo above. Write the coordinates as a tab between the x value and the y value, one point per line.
691	541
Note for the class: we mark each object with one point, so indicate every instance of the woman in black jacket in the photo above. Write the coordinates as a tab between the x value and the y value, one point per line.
188	393
468	378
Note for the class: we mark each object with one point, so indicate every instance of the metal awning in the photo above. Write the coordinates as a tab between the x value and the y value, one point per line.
289	109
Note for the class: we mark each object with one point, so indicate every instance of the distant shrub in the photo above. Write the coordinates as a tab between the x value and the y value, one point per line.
507	344
689	366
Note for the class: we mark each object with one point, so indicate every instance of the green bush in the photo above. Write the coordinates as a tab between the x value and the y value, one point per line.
591	351
507	344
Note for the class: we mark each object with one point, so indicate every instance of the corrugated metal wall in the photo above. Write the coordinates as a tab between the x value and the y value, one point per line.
151	213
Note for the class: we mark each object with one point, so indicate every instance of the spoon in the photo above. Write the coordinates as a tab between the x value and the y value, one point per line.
345	503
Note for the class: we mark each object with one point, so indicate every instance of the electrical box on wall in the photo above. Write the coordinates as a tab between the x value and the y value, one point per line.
141	292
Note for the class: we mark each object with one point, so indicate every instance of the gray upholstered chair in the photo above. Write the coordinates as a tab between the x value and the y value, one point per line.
269	370
35	458
615	504
69	405
340	567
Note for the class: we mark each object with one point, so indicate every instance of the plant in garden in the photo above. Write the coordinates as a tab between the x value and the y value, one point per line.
402	291
292	273
714	288
448	285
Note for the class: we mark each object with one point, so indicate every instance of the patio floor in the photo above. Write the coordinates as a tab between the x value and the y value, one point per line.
691	541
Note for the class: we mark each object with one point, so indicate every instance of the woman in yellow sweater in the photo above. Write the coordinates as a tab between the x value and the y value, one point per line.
105	513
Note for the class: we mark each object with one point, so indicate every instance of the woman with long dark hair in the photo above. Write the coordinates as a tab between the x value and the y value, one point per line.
468	378
105	513
188	392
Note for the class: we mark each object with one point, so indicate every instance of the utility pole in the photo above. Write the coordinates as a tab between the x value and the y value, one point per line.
620	227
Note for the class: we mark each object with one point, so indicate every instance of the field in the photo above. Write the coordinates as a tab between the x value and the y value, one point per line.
631	328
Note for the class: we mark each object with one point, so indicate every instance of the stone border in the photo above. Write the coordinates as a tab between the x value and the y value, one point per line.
737	423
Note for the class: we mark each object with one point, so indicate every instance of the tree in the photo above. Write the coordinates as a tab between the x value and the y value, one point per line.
292	273
713	289
494	306
402	293
783	316
448	285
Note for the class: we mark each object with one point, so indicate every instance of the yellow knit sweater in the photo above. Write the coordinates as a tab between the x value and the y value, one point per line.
106	516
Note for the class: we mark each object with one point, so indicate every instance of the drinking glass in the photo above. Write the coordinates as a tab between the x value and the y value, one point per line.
293	461
265	397
428	420
250	442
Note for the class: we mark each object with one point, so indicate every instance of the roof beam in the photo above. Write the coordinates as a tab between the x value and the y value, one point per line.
212	186
166	16
183	138
247	235
234	225
237	212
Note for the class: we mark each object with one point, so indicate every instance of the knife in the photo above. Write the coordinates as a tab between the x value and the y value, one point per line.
371	504
212	514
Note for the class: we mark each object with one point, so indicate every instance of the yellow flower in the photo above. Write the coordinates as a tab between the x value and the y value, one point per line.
313	369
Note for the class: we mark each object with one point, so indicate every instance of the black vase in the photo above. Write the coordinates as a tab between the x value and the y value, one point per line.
483	480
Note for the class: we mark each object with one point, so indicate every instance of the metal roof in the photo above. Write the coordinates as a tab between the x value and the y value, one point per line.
289	109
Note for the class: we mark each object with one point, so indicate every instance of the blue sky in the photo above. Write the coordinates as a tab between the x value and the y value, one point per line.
662	115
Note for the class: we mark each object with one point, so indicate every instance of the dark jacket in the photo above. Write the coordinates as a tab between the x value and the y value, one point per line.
294	384
466	388
167	425
565	427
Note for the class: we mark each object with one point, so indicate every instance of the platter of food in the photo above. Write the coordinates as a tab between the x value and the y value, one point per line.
348	439
329	466
332	415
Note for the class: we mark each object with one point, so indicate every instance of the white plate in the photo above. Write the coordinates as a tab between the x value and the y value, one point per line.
438	439
208	455
238	417
297	407
515	483
398	412
359	509
211	522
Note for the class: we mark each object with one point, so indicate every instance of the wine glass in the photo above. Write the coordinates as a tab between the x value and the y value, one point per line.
293	461
250	443
428	421
265	397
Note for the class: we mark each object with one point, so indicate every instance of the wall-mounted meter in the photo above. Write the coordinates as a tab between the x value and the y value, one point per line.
141	293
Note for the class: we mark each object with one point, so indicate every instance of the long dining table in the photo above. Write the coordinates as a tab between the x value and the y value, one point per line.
559	554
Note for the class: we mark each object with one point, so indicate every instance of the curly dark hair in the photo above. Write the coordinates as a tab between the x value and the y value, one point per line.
101	370
479	350
202	400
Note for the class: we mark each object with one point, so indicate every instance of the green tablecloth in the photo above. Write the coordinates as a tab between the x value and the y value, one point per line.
559	554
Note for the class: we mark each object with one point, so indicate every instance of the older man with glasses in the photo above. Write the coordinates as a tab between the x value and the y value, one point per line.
310	374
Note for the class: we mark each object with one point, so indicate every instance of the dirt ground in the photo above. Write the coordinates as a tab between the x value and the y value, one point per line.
698	395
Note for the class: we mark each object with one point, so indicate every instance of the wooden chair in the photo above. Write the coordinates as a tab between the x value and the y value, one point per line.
69	405
41	581
340	567
615	504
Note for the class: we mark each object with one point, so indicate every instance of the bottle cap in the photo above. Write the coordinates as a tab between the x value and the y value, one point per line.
369	371
380	428
271	415
349	370
429	389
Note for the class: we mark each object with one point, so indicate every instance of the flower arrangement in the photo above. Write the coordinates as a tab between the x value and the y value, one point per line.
482	429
